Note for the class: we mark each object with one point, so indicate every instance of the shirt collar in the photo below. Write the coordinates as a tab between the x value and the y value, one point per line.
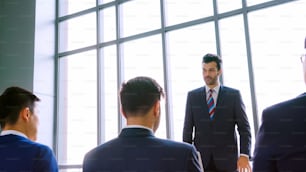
138	126
14	132
216	89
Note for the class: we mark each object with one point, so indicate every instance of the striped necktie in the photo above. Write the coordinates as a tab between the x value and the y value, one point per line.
211	104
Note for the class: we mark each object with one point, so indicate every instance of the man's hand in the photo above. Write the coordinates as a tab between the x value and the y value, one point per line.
243	164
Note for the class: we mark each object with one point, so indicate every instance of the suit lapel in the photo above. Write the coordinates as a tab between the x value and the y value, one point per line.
220	101
203	94
221	95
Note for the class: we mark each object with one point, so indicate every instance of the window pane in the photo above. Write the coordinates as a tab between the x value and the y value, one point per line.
226	5
77	107
109	95
277	39
140	16
143	57
235	64
77	32
107	24
105	1
186	49
178	11
72	6
255	2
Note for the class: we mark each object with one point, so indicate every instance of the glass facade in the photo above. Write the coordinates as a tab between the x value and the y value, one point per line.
104	43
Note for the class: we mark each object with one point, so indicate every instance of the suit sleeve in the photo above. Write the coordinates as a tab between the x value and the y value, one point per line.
188	122
243	126
195	161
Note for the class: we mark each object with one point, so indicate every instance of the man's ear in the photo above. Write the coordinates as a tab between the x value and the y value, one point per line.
157	108
25	114
123	112
220	72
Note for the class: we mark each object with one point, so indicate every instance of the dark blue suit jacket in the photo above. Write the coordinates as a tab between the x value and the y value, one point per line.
217	137
19	154
281	140
137	150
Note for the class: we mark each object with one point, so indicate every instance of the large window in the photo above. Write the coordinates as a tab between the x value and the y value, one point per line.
143	57
77	106
277	37
235	61
185	51
104	43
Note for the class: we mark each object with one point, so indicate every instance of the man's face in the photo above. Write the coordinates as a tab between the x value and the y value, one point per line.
210	73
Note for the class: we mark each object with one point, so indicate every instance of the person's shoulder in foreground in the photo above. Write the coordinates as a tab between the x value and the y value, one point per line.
136	148
151	154
281	139
19	120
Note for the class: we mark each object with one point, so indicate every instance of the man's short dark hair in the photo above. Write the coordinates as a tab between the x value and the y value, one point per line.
212	58
12	101
139	94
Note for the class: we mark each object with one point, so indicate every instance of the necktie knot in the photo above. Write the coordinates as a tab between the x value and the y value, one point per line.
211	91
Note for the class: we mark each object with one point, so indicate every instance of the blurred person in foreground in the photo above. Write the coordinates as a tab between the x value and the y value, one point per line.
281	140
18	119
136	148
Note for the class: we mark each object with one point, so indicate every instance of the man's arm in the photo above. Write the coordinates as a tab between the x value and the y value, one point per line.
195	161
243	163
243	126
188	122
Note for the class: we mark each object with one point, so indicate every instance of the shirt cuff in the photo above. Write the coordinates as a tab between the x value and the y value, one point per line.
245	155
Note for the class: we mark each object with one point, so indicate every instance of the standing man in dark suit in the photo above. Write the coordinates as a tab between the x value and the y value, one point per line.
137	149
212	113
19	120
281	140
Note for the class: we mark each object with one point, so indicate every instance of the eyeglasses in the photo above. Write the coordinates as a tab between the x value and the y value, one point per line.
303	58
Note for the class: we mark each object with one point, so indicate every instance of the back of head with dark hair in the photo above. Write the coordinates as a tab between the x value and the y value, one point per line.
212	58
12	101
139	94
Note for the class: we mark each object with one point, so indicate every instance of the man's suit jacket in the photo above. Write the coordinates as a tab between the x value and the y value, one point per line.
217	137
137	150
19	154
281	140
